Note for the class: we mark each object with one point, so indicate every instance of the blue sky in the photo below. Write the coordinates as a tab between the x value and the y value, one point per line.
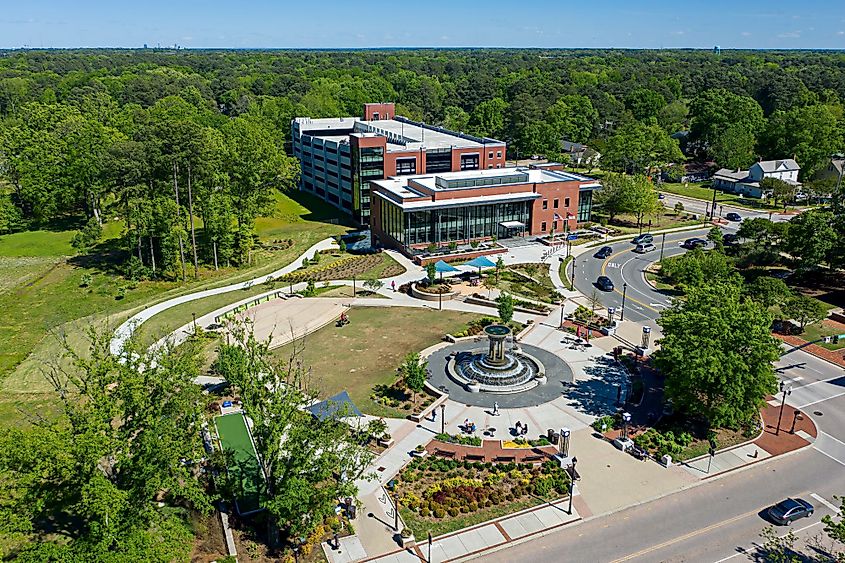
428	23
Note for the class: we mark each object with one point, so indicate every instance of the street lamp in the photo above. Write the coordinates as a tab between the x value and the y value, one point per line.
626	419
786	390
562	301
662	244
572	484
392	486
442	418
624	292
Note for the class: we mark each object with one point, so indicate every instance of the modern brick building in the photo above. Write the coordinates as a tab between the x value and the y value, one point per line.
340	157
413	212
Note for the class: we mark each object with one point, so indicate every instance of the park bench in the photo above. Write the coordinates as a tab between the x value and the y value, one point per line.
444	453
533	458
505	459
474	457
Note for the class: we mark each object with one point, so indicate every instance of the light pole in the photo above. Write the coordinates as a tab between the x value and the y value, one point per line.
786	390
353	286
562	301
194	316
626	419
574	259
442	418
624	292
662	244
572	484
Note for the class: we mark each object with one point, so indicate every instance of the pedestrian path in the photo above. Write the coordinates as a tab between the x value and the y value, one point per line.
534	522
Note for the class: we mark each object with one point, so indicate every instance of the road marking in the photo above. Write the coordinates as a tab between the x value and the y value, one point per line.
689	535
820	400
817	382
825	502
745	551
657	305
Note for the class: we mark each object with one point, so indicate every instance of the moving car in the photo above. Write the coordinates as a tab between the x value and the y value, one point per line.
644	238
604	283
789	510
733	217
643	248
603	252
694	243
730	238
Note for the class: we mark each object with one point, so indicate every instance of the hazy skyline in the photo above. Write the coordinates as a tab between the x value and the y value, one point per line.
777	24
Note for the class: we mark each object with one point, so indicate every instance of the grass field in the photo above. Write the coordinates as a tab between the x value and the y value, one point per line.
703	191
244	469
367	352
41	294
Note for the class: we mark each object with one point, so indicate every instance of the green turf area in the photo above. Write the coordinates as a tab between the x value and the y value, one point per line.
821	329
42	297
244	470
367	352
627	223
530	281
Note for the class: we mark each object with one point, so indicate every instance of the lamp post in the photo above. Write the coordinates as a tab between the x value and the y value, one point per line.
562	301
785	390
353	286
392	486
662	244
442	418
574	259
572	484
194	316
624	292
626	419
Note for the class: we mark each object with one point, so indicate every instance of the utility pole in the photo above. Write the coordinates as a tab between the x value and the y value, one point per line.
624	292
662	244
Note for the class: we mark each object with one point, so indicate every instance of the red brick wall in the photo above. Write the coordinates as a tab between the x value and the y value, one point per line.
384	111
550	192
390	161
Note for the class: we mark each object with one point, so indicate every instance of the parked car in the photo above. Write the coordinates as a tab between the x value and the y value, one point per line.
643	248
604	283
661	195
604	252
694	243
644	238
733	217
789	510
730	238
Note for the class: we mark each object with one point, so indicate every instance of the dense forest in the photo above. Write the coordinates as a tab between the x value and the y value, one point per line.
186	147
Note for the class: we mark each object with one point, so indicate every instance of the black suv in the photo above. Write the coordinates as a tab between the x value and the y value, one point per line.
604	283
694	243
603	252
733	217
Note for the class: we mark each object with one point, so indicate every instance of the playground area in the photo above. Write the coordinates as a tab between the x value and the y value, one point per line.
236	442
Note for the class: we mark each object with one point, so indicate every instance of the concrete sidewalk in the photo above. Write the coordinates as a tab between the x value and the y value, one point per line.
531	523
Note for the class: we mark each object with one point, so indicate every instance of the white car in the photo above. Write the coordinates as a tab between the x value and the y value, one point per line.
645	247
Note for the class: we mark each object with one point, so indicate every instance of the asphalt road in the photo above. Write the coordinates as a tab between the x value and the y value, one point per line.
642	303
692	205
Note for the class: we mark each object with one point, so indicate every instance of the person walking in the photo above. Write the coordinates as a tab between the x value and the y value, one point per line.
393	285
495	408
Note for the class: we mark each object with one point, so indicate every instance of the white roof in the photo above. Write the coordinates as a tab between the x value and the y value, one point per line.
776	165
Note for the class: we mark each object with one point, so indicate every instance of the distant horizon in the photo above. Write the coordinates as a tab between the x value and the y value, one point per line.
420	48
439	24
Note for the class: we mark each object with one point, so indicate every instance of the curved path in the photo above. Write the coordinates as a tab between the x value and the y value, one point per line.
124	331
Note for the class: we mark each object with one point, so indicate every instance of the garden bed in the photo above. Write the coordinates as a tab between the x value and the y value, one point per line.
441	496
685	439
342	266
477	327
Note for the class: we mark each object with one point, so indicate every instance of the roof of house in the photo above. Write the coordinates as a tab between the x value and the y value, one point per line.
732	175
775	165
569	146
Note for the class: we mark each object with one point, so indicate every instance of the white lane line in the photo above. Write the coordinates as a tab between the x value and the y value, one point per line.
820	400
817	382
825	502
747	551
826	435
824	453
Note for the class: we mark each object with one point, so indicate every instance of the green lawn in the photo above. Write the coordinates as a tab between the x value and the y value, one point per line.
819	330
422	527
42	299
626	223
367	352
539	287
244	469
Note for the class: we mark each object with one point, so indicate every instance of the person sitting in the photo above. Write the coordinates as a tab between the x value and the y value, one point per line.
525	429
472	428
466	425
518	428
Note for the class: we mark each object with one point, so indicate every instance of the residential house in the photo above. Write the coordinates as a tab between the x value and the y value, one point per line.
747	182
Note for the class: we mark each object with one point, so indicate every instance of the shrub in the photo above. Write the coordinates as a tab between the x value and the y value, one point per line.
453	511
439	512
424	512
473	506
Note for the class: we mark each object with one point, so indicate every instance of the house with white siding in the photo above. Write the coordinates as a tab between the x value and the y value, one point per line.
747	182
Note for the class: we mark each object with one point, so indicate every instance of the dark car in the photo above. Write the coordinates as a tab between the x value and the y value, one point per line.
604	252
604	283
789	510
733	217
643	239
694	243
730	238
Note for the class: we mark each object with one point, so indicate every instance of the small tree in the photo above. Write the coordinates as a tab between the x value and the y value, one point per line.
505	307
430	271
377	428
768	291
341	245
310	289
489	285
373	284
413	371
89	235
806	310
715	236
500	264
679	208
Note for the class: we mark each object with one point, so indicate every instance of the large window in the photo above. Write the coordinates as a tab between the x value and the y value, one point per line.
406	166
438	160
469	161
585	205
441	226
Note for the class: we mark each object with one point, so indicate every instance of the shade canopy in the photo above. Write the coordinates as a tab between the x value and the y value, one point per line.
481	262
443	267
339	406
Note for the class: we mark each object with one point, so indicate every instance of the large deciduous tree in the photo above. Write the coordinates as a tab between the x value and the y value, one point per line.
811	238
640	148
716	353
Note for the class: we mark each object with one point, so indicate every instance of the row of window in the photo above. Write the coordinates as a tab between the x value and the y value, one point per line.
555	203
498	154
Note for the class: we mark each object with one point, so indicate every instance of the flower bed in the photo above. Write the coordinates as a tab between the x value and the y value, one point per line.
344	269
398	396
477	327
441	495
459	439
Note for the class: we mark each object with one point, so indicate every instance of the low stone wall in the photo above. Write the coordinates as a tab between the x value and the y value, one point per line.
432	296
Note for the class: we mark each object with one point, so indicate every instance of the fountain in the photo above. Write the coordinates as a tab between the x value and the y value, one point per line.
496	369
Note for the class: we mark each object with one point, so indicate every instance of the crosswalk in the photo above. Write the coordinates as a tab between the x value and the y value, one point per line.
803	396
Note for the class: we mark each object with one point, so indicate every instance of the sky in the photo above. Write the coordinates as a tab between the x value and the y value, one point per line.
742	24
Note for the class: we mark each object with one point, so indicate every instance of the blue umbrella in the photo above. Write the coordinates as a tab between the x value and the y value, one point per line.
481	262
441	266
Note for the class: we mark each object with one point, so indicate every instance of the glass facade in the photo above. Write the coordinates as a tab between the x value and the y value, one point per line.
368	165
458	223
585	205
